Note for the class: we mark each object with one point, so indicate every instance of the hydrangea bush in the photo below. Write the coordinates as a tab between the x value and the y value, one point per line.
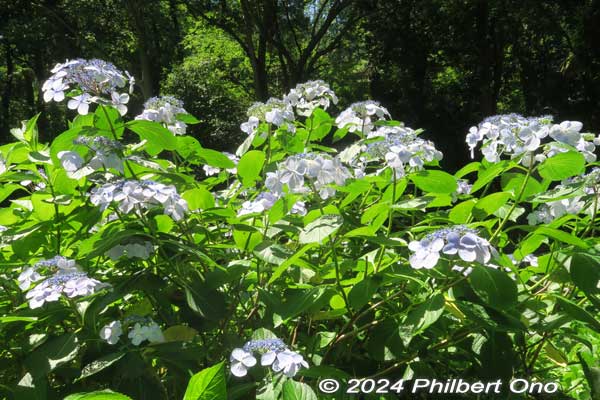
137	263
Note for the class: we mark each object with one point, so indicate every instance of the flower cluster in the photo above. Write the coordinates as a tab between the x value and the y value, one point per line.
273	352
361	116
305	97
584	196
164	109
450	241
316	170
399	147
141	329
95	80
265	200
146	194
131	250
274	111
463	187
58	276
517	136
106	155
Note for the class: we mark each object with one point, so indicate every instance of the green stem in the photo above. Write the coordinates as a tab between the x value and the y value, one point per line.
517	200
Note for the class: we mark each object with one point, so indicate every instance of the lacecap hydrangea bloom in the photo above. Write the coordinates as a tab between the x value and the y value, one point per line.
361	117
105	155
140	330
111	332
164	109
521	137
133	194
305	97
397	147
275	111
302	173
265	201
272	352
94	81
56	276
583	197
457	240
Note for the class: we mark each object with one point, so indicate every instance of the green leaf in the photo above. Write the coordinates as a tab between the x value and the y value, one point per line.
512	182
98	395
10	318
434	181
494	287
300	301
52	354
561	236
215	158
486	175
208	384
64	142
100	364
158	137
188	119
271	253
578	313
199	199
460	213
585	272
293	390
489	204
113	122
179	333
209	303
363	291
592	375
321	228
562	166
421	317
249	167
289	262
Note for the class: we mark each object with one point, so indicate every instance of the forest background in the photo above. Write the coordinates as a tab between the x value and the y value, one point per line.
442	65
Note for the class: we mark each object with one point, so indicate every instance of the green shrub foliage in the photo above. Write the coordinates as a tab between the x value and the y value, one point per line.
137	263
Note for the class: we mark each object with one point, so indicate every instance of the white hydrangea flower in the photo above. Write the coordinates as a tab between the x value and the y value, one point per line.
249	127
548	212
264	201
361	116
457	240
273	352
80	103
305	97
27	277
65	277
240	362
98	82
145	331
521	137
274	111
105	155
164	109
399	148
146	194
111	332
302	172
289	362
